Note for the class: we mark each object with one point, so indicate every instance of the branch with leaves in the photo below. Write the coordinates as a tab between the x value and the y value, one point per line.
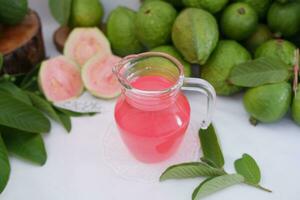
211	167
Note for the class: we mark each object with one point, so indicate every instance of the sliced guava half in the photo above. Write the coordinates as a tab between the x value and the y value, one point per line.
84	43
98	77
60	79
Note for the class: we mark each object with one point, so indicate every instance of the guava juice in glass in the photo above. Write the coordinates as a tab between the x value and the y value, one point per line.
152	113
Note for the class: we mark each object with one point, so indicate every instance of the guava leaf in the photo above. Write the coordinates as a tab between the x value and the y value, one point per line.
216	184
248	168
211	148
190	170
66	121
258	72
29	146
1	61
61	10
4	166
19	115
14	91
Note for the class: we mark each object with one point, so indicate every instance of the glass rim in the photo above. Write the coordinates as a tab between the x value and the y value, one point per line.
128	86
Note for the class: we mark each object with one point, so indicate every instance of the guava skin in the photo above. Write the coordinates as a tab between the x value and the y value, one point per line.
227	54
121	32
284	19
154	23
87	13
173	52
195	35
268	103
296	106
260	6
277	48
260	36
239	21
212	6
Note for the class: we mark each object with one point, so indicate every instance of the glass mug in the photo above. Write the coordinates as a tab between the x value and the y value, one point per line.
152	113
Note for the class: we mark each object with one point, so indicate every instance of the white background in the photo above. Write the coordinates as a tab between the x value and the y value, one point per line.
75	169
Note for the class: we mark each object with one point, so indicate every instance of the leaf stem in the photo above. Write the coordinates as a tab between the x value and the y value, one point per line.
296	71
260	187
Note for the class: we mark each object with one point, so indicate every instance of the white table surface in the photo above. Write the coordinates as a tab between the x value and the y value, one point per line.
75	169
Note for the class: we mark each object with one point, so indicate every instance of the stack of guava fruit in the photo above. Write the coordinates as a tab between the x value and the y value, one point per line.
216	36
87	63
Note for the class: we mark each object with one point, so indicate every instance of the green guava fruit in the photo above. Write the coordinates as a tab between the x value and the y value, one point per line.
59	79
84	43
195	34
154	23
13	12
296	106
239	21
277	48
268	103
212	6
98	77
261	35
284	19
227	54
87	13
173	52
260	6
121	32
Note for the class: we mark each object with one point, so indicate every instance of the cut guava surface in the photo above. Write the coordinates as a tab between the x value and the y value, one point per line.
98	77
84	43
60	79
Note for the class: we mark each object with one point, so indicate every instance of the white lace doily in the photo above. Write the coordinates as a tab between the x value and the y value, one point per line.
87	103
126	166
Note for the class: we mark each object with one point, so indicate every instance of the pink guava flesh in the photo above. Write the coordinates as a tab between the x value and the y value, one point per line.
98	77
84	43
60	79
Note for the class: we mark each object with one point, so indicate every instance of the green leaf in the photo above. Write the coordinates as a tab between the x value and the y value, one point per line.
61	10
47	108
4	166
216	184
14	91
75	114
29	146
66	121
30	80
248	168
17	114
258	72
190	170
1	61
211	148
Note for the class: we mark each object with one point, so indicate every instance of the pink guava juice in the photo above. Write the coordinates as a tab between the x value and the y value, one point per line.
154	134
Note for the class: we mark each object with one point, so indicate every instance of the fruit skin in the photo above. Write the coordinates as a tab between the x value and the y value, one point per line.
84	43
227	54
195	34
173	52
13	12
212	6
284	19
121	32
98	77
239	21
278	48
261	35
59	79
154	23
86	13
268	103
296	106
260	6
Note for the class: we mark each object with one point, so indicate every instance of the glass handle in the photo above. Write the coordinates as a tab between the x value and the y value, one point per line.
203	87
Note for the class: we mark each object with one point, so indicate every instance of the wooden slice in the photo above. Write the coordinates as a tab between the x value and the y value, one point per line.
60	36
22	45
